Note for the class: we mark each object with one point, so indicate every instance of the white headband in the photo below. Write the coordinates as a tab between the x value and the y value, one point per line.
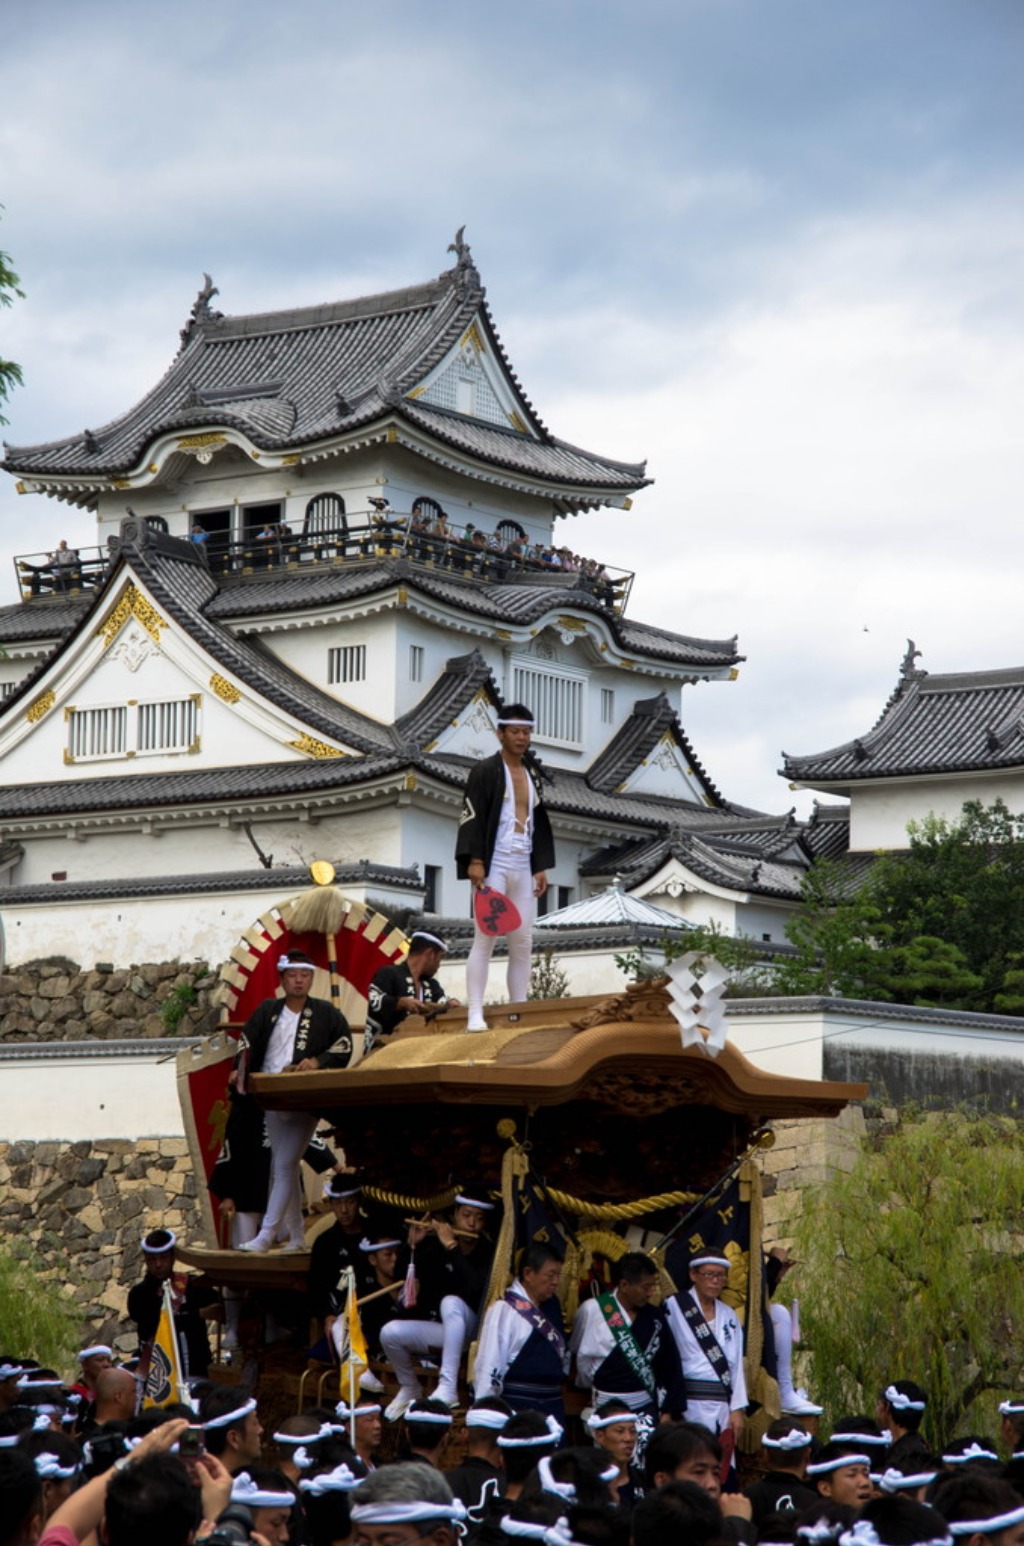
341	1479
9	1370
324	1432
528	723
527	1530
100	1350
158	1250
245	1490
369	1246
9	1440
405	1513
987	1526
796	1438
285	963
232	1417
483	1417
553	1436
710	1261
892	1480
818	1533
901	1403
337	1196
302	1459
877	1440
49	1469
439	1419
972	1452
431	939
1006	1408
823	1467
44	1382
548	1483
474	1202
345	1411
594	1422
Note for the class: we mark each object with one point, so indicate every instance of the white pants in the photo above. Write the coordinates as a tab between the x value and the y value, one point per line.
244	1226
782	1324
712	1414
511	874
289	1132
401	1339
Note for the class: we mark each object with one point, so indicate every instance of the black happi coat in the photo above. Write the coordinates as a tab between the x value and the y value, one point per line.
440	1272
322	1034
481	816
389	984
333	1251
146	1301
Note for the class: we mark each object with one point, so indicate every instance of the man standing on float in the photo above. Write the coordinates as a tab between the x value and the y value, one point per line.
505	842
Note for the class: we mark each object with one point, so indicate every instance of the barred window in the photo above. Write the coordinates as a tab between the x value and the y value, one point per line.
346	663
415	662
167	727
607	705
94	733
133	729
556	697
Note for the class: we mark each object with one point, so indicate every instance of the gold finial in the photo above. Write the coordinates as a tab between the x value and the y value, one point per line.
506	1128
321	872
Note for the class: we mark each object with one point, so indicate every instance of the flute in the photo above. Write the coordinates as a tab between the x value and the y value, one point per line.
467	1234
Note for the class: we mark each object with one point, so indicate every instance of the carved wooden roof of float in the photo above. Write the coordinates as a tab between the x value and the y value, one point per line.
624	1052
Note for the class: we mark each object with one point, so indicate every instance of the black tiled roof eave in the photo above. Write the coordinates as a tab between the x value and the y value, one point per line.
283	878
502	602
637	738
452	692
249	784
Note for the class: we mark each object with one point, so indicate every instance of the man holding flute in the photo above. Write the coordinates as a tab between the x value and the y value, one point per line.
452	1261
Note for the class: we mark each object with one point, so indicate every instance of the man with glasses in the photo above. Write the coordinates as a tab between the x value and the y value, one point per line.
710	1343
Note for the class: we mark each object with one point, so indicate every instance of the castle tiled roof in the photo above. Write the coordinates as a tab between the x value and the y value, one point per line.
636	739
765	856
966	722
292	380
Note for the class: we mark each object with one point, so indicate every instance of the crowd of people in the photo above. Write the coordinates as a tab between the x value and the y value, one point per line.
79	1463
426	535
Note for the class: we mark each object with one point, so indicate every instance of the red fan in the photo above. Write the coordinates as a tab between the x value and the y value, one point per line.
494	912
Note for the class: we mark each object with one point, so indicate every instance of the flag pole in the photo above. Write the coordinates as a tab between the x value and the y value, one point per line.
350	1279
183	1392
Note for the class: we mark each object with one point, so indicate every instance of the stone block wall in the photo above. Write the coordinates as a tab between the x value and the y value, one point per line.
55	1000
78	1211
805	1154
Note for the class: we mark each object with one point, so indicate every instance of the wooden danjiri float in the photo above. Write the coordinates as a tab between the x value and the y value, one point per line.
588	1118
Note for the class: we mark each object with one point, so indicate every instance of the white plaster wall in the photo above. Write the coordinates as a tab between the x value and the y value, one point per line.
306	652
67	1099
879	814
755	920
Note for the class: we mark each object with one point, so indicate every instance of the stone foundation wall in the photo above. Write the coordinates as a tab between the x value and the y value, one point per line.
804	1155
78	1211
55	1000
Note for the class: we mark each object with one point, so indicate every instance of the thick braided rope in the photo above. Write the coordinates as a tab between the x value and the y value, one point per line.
412	1204
610	1211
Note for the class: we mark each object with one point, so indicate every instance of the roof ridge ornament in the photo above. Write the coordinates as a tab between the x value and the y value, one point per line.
908	672
465	270
201	312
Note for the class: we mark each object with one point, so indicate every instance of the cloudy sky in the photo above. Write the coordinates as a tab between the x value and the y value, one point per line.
773	246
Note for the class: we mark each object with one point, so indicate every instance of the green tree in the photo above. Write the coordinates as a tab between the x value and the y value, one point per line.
910	1270
548	979
836	934
10	374
940	925
35	1318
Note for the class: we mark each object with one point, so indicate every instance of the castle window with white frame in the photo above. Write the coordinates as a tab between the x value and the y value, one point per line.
607	705
346	663
415	662
556	695
133	729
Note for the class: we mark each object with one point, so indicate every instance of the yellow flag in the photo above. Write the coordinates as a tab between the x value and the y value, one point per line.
165	1381
349	1341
